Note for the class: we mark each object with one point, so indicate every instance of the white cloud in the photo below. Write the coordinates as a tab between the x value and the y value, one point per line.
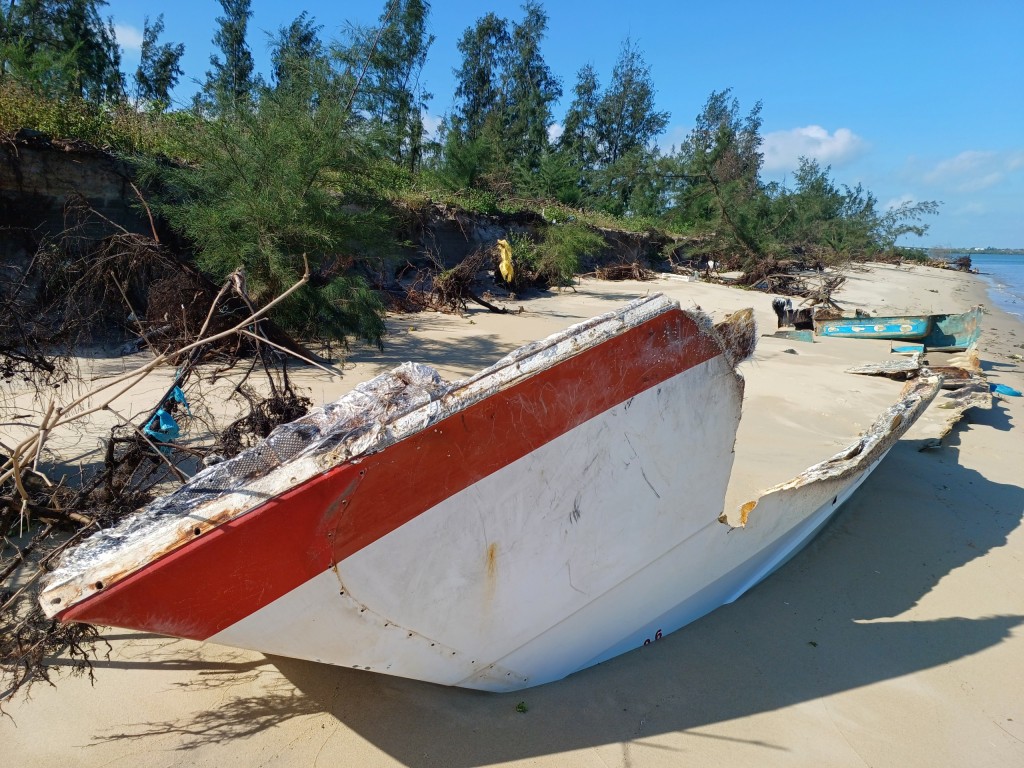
128	36
981	182
783	149
971	209
555	131
966	164
974	170
430	125
673	140
896	202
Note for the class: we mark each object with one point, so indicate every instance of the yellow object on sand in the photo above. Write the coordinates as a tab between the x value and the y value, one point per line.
505	265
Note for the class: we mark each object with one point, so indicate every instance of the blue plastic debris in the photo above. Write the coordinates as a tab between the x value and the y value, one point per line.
162	427
1002	389
179	397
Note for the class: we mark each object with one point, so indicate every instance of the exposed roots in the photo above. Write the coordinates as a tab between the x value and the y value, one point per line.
41	515
631	271
264	414
454	288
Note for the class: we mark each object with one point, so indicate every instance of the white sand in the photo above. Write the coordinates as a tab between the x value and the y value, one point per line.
894	639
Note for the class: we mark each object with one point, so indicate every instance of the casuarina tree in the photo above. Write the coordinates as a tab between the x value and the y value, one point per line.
229	83
62	48
159	65
388	61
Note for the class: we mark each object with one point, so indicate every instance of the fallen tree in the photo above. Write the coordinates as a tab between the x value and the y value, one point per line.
43	511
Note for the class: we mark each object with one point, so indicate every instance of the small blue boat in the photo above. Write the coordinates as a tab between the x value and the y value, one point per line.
939	333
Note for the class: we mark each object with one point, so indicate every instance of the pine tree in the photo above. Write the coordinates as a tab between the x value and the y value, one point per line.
725	145
229	84
478	93
159	66
625	116
531	89
296	52
61	47
390	59
724	195
610	134
579	133
504	93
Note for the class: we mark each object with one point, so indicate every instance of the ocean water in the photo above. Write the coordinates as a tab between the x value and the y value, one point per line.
1004	274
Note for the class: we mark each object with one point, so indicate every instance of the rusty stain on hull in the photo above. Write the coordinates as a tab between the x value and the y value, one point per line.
492	560
745	511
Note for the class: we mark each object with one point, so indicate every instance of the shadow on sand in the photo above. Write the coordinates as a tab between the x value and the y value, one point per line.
471	353
805	633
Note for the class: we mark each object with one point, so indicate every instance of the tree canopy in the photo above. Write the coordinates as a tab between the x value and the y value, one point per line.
229	83
388	62
62	47
504	94
312	159
159	65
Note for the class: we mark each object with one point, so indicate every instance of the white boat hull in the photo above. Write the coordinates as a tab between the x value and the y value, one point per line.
559	509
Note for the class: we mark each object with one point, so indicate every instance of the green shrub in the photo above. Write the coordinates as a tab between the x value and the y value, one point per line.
554	260
561	249
118	127
288	178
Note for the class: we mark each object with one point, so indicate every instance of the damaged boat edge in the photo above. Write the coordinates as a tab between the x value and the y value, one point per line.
848	467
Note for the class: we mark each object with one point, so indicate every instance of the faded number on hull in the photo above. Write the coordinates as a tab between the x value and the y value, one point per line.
657	636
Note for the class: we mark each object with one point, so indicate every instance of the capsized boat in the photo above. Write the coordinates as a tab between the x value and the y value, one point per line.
940	333
557	509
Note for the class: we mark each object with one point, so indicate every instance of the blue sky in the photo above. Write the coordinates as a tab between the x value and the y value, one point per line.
915	100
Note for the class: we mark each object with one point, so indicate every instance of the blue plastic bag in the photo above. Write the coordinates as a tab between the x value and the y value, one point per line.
162	427
179	397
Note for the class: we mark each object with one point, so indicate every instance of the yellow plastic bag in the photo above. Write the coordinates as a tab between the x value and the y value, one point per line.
505	264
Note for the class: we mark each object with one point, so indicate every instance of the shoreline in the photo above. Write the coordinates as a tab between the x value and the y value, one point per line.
889	641
1005	281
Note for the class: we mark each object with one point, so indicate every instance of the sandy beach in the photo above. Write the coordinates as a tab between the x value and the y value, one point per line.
894	639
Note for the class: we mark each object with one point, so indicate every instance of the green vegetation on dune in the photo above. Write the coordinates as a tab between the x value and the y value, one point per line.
316	160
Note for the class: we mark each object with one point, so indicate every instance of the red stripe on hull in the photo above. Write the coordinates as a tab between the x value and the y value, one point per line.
218	579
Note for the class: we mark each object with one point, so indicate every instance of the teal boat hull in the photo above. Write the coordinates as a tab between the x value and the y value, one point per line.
906	328
934	332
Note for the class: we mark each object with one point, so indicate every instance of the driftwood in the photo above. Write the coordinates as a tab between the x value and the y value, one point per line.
822	295
40	515
781	283
777	276
454	288
900	369
632	271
